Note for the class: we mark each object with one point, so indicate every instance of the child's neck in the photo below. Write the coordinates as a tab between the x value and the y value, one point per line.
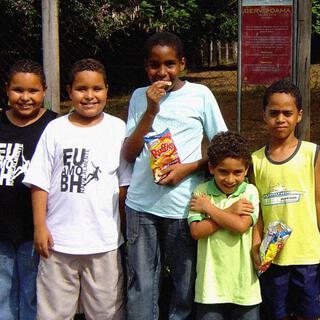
20	121
281	150
178	85
81	121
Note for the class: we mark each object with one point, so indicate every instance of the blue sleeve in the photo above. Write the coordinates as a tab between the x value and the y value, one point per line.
213	121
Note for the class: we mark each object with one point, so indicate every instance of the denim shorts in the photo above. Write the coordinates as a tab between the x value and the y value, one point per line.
290	290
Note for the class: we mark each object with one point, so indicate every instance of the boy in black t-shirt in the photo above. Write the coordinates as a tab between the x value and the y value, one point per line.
20	128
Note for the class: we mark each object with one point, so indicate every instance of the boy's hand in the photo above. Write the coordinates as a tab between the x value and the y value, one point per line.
241	207
154	93
43	241
200	203
174	173
255	257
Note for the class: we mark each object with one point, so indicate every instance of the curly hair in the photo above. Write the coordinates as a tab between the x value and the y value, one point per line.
228	144
27	66
283	86
87	65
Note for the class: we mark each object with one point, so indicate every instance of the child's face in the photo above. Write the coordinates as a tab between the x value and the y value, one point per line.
25	93
89	96
282	115
229	174
163	64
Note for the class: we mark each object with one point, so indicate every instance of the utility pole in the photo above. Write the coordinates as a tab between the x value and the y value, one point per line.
303	53
50	43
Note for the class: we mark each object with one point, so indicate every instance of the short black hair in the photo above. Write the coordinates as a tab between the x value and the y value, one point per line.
27	66
228	145
88	64
164	38
283	86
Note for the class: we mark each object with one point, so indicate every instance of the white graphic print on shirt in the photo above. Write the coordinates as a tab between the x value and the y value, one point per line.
10	154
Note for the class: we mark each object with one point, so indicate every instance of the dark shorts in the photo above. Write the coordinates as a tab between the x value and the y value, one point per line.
227	311
290	290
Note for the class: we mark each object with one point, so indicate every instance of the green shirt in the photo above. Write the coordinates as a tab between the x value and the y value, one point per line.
225	271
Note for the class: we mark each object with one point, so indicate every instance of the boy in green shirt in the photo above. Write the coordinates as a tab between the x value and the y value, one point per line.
287	175
223	211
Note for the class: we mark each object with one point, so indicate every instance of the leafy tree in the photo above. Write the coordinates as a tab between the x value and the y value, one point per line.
316	17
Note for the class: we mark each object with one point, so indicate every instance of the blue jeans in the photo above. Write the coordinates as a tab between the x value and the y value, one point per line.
227	311
18	273
152	243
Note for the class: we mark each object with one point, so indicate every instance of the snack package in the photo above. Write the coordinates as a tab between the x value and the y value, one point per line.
163	152
272	243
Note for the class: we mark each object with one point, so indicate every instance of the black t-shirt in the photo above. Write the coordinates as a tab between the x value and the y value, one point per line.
17	145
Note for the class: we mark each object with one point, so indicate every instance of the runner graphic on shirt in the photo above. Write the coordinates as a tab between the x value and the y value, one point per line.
93	175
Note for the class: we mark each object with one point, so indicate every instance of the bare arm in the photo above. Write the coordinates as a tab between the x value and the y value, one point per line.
177	172
227	218
122	198
135	142
257	236
42	237
203	229
133	145
317	188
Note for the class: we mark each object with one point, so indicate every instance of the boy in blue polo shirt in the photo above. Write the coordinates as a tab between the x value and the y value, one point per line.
223	211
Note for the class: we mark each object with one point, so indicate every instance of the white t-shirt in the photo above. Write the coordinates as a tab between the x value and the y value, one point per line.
188	113
81	169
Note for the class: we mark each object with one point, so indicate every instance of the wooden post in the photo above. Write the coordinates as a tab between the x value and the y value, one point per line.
50	43
218	52
234	51
227	52
303	53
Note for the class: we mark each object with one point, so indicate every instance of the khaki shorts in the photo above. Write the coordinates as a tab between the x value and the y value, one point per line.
94	281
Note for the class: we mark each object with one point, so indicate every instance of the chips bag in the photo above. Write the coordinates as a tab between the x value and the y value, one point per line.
163	152
276	236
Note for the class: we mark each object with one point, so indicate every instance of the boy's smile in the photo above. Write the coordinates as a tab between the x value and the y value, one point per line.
163	64
229	174
282	115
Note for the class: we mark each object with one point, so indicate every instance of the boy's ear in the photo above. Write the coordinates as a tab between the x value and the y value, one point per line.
68	90
145	63
6	87
182	63
264	115
300	113
211	168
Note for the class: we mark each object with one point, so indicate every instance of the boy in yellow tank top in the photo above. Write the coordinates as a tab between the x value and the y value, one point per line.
287	175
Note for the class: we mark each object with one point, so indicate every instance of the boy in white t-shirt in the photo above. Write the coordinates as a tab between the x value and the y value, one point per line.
78	182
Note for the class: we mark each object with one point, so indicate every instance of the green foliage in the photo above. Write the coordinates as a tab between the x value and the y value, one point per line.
114	31
25	14
170	15
316	17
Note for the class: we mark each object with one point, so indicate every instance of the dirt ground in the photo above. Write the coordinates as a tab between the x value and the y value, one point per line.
224	86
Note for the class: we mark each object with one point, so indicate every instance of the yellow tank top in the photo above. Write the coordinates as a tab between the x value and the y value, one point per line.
287	193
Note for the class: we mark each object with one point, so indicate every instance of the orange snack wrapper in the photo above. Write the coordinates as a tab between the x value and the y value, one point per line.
163	152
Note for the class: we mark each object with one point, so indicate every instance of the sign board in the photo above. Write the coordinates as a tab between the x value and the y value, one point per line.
266	40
